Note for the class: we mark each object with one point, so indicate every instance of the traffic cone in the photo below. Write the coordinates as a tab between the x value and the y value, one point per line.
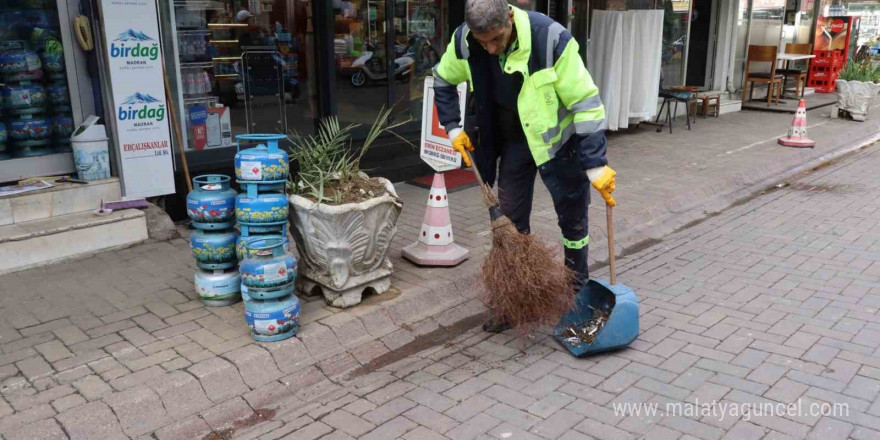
797	134
436	246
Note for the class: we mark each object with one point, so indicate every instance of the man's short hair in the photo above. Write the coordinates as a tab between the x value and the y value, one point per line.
484	16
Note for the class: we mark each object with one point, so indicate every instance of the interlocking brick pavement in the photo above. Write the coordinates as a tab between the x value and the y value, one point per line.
704	338
118	346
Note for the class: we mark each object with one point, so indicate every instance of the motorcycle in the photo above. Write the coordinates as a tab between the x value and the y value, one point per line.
371	68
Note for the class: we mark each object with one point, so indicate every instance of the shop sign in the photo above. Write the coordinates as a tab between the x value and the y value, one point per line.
134	61
436	148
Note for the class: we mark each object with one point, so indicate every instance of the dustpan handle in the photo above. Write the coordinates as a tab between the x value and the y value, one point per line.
610	226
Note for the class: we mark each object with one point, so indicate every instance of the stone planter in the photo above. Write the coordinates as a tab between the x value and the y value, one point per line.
856	97
344	249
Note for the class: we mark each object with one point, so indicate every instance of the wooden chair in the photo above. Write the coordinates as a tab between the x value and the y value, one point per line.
763	54
798	73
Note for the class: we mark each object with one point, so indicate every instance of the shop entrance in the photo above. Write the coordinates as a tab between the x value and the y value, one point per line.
701	50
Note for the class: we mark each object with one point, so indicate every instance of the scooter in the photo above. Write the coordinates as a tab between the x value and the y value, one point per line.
370	68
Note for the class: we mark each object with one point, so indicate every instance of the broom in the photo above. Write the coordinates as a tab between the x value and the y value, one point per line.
525	283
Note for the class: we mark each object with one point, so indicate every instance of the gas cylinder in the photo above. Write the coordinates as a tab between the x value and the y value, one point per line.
266	212
217	287
241	248
271	319
265	165
214	249
211	203
269	271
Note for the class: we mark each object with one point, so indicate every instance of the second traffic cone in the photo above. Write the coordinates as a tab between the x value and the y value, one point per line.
797	134
436	246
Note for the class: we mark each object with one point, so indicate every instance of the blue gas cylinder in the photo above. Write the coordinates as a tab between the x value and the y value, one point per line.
241	249
218	288
211	203
261	213
271	319
269	271
615	301
214	249
265	165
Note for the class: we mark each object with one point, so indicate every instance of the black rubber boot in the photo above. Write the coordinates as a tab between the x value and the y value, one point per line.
496	327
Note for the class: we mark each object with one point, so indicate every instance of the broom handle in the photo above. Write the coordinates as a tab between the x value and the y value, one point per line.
474	168
176	130
610	226
494	210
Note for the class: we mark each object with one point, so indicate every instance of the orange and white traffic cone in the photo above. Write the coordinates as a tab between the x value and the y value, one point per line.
797	134
436	246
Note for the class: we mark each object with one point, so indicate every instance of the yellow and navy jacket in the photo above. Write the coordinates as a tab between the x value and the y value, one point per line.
558	103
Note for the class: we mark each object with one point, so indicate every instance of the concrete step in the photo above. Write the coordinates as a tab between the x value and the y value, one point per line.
38	242
730	104
62	199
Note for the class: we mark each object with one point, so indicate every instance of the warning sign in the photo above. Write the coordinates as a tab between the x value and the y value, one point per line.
436	148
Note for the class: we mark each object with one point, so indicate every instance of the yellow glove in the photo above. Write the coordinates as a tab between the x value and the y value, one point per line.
603	180
460	142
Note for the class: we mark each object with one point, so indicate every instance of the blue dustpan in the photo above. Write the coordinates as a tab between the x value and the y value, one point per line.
617	301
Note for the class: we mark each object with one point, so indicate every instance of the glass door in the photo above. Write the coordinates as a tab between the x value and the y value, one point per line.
673	61
759	22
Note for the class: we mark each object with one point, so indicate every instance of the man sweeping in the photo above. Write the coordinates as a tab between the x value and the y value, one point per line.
538	111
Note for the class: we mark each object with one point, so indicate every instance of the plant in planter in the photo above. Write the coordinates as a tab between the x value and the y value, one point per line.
857	87
342	220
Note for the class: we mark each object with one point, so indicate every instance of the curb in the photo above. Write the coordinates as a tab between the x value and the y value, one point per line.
700	205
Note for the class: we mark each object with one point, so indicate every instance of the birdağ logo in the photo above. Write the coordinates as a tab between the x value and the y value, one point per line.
141	108
135	47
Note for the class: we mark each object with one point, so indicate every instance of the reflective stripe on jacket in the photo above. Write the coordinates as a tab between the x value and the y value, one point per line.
558	101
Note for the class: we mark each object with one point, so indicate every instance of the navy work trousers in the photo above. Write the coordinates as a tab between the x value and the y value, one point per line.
569	188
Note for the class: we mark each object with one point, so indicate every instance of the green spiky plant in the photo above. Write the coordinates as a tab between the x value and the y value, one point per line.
865	71
328	161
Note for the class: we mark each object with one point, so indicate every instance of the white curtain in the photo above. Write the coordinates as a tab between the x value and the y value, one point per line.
623	58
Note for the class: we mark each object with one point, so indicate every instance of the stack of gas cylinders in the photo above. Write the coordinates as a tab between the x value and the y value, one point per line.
268	269
259	247
211	207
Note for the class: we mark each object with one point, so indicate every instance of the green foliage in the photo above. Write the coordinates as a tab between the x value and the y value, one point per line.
329	157
864	71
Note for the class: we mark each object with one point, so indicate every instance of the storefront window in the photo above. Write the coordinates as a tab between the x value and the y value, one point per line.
766	22
868	11
422	28
36	112
245	68
742	42
361	68
799	21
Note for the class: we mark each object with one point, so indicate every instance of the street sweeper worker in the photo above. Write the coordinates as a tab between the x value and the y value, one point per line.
538	111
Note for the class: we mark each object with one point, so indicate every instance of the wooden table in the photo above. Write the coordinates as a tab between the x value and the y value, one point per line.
789	57
794	57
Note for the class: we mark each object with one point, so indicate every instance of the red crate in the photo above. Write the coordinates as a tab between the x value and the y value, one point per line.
828	58
822	71
823	84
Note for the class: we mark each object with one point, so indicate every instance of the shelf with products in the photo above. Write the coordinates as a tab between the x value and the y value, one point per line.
201	99
226	25
198	65
205	5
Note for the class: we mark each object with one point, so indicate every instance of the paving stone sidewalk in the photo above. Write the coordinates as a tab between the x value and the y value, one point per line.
774	302
118	346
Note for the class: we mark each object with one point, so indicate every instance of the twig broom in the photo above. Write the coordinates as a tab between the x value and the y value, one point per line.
525	283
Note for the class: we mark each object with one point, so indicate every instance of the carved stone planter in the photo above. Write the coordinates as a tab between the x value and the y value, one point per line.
344	249
856	97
